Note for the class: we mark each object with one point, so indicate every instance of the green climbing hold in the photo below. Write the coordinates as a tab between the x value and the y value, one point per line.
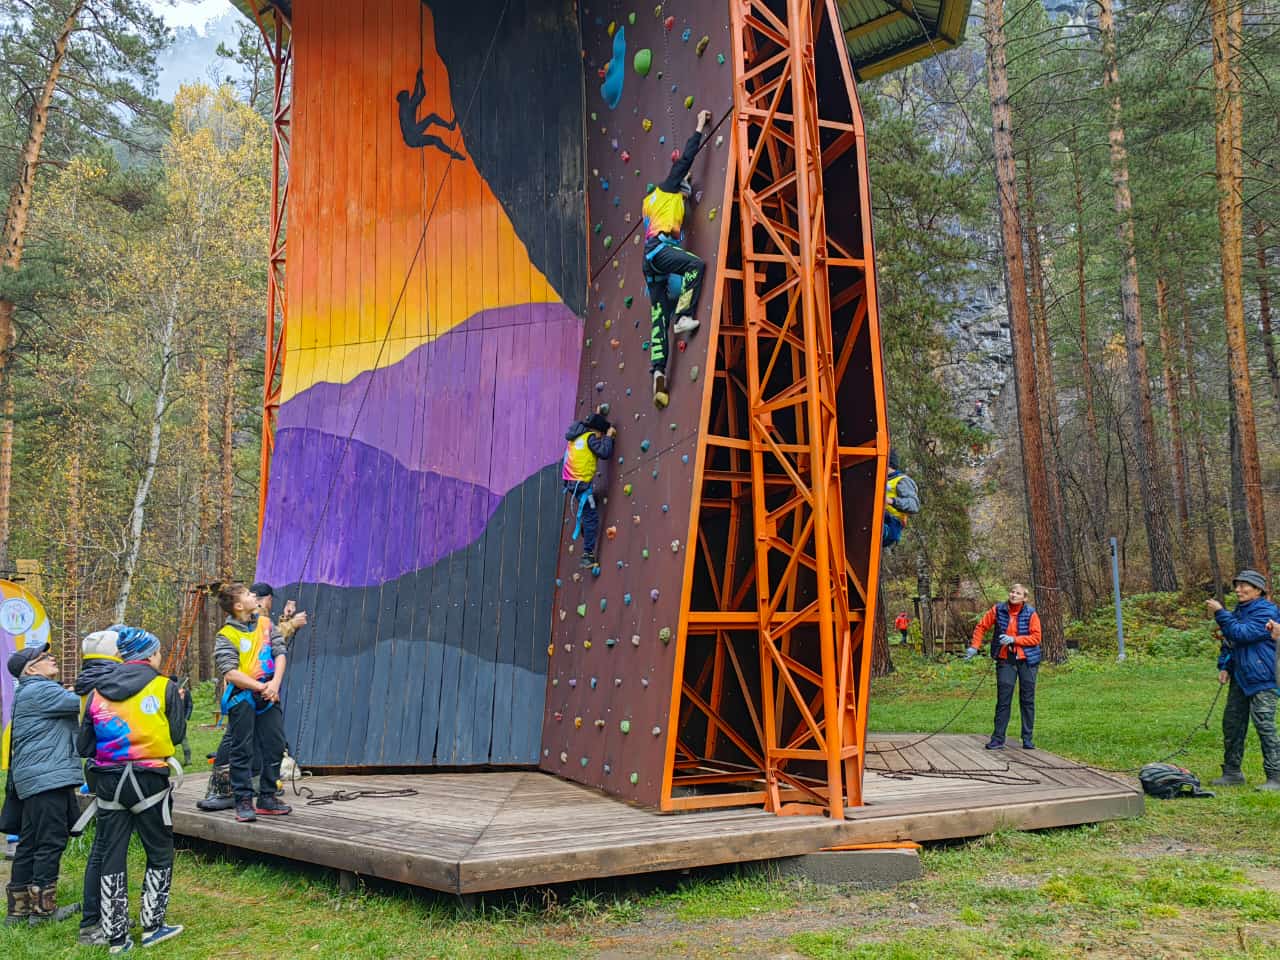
584	761
688	102
596	228
642	61
625	726
608	241
627	490
635	778
720	59
645	553
603	603
582	609
693	373
627	301
701	48
665	634
631	18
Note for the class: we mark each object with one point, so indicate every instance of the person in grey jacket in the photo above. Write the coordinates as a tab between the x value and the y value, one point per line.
45	774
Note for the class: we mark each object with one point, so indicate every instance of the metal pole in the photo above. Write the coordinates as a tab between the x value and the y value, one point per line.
1115	587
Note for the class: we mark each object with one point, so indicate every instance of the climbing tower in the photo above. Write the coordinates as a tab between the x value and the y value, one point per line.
464	279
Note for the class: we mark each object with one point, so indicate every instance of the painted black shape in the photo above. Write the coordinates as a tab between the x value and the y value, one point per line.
382	636
526	141
414	128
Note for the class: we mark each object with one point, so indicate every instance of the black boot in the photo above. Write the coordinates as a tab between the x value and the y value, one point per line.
44	905
218	796
1231	777
18	896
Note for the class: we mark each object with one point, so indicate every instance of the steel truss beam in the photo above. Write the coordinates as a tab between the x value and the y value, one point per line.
277	35
774	650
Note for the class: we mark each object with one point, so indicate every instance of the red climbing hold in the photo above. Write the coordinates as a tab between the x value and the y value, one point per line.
682	345
675	155
669	23
626	157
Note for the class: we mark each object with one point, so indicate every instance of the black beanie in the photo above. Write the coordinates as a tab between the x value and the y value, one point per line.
598	421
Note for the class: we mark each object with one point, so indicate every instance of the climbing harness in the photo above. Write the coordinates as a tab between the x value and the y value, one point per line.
584	498
146	803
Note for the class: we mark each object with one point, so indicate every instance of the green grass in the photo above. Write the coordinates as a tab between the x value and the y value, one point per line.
1190	878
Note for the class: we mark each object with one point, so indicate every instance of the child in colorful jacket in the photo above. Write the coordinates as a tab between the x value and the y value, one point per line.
589	445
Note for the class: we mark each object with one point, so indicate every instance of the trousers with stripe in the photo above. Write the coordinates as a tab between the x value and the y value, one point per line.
667	260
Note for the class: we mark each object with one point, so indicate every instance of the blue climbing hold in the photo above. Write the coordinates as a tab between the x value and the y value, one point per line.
684	458
604	184
626	599
595	572
686	35
665	508
611	89
644	445
559	582
603	602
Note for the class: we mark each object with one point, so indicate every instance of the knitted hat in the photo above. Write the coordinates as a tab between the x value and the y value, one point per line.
1251	577
598	421
134	643
102	643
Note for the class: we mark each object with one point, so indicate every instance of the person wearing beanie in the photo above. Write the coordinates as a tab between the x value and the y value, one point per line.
901	500
1247	661
251	655
133	721
589	445
99	656
44	775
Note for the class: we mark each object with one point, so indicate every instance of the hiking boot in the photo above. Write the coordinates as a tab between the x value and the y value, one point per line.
1271	786
218	796
92	937
244	811
1231	777
160	934
685	325
269	806
994	744
18	896
44	905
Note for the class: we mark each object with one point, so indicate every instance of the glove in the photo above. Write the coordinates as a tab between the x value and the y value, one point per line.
1005	640
970	653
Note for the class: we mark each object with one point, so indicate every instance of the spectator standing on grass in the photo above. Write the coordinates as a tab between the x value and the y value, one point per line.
902	624
1247	661
1016	651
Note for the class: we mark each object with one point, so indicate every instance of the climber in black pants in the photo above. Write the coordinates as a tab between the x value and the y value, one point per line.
664	257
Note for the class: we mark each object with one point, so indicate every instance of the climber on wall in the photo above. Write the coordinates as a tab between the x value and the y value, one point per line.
664	257
901	500
587	451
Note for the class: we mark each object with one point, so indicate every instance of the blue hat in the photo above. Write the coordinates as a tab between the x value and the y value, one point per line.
134	643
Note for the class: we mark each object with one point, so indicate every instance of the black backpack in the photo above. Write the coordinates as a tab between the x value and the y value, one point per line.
1166	781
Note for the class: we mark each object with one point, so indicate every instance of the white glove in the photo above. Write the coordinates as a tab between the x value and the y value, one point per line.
1005	640
970	653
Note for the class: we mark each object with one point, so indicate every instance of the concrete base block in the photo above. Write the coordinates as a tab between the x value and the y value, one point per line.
865	868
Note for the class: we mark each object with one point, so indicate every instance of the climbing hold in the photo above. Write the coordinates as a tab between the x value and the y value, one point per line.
711	214
656	730
720	59
693	372
635	639
627	489
603	603
584	761
603	409
665	508
611	28
573	683
644	445
595	570
673	427
655	473
648	187
611	532
646	124
635	778
626	599
684	458
586	644
615	343
599	386
686	35
608	241
582	609
720	140
675	154
558	715
563	614
617	681
577	723
608	769
669	23
624	726
627	301
653	594
555	681
559	582
665	634
564	757
657	11
626	157
593	116
635	519
631	18
644	553
594	681
596	228
642	61
682	345
568	648
604	184
644	345
644	681
615	71
599	724
628	394
620	564
614	143
701	48
688	102
675	546
611	642
551	649
660	140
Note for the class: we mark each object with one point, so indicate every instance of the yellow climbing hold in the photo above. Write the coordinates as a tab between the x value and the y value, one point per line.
613	26
647	124
688	103
711	214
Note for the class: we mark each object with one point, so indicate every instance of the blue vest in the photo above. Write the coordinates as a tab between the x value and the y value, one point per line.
1024	629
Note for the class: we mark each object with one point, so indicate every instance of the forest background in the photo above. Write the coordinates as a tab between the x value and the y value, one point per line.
1039	191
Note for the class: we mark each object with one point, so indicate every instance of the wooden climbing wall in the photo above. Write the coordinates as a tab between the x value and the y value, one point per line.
611	675
435	282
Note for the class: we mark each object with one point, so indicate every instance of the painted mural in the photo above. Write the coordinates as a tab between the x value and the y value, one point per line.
22	621
436	271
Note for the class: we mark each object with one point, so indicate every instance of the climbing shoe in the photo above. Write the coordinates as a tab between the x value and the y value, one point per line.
589	560
686	325
218	796
160	934
18	896
245	812
1231	777
1271	786
660	397
269	806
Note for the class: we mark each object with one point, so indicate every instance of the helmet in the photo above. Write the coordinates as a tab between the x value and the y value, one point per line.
1166	781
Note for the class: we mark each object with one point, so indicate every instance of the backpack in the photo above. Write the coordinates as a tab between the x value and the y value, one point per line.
1167	782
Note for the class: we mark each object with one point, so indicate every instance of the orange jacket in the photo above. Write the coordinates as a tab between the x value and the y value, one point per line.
902	622
1020	643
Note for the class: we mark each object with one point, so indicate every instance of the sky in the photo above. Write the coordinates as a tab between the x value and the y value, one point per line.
198	26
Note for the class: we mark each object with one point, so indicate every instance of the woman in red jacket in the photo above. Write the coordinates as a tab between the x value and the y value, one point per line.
1016	651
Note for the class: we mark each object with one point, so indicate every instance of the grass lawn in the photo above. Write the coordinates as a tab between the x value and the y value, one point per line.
1193	878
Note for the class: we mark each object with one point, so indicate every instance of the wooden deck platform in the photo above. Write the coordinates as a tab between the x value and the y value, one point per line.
472	832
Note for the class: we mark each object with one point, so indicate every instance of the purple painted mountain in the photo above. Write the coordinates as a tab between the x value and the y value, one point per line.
441	437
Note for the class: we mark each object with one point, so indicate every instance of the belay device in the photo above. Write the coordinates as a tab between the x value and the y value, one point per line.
1166	781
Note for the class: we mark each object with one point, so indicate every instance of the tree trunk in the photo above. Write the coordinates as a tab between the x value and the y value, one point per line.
226	552
1202	456
138	514
1241	531
1043	557
204	549
1047	393
881	660
1173	397
16	218
1264	316
69	654
924	589
1155	513
1228	23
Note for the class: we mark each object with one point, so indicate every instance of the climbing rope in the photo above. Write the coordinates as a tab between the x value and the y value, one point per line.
314	799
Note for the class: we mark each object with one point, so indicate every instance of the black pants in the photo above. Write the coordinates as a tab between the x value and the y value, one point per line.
589	517
114	830
670	259
47	819
91	897
252	734
1024	675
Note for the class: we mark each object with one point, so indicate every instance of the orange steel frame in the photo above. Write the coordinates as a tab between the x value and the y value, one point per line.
278	38
794	721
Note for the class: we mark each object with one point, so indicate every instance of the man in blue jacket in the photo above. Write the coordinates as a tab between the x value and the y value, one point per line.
45	773
1248	662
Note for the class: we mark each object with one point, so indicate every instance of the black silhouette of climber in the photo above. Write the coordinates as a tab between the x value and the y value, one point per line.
414	130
